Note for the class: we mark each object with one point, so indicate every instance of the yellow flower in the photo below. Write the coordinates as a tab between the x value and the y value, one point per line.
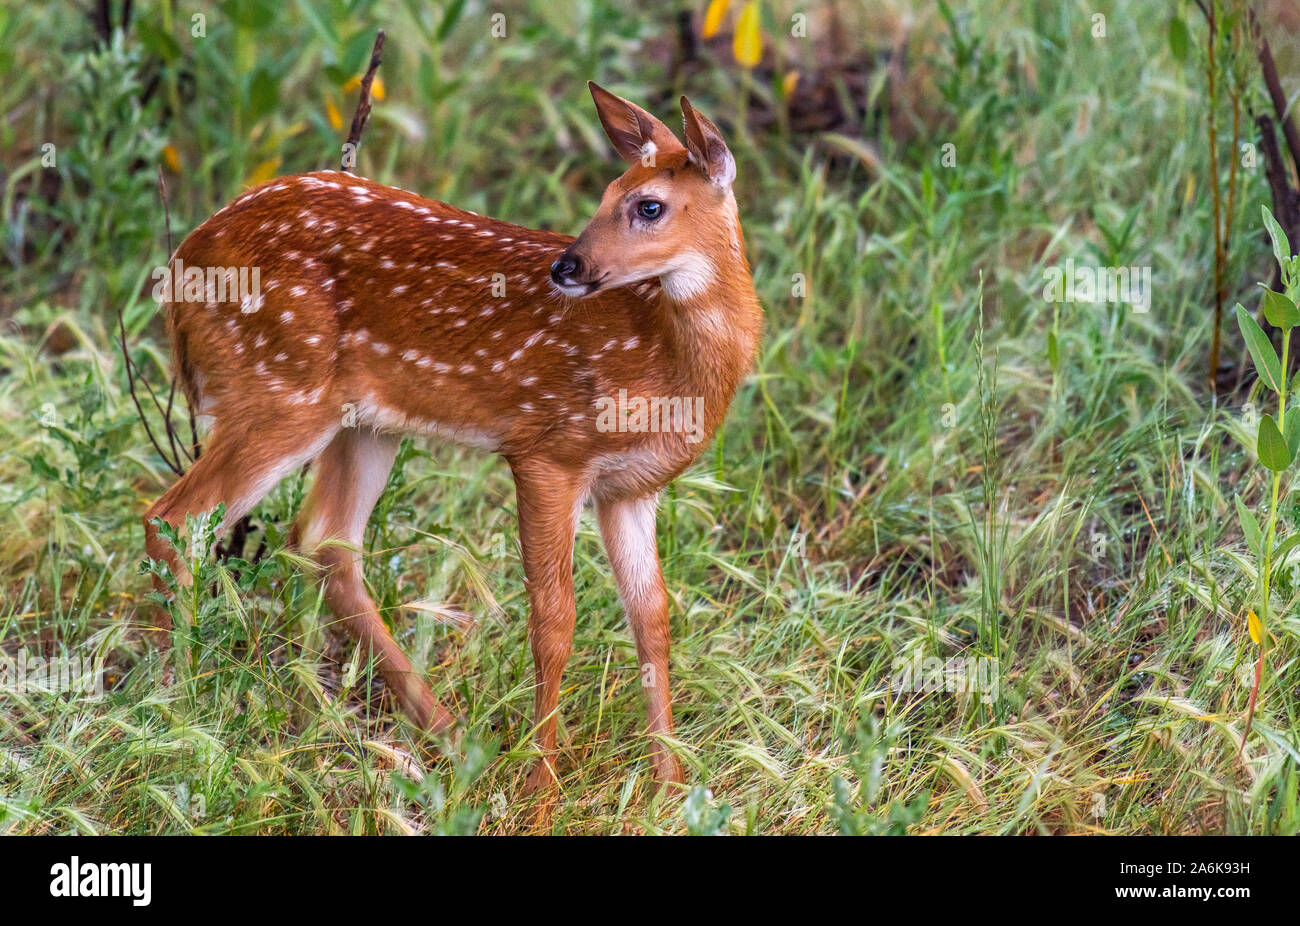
376	86
748	43
172	158
332	113
264	171
1252	625
788	84
713	18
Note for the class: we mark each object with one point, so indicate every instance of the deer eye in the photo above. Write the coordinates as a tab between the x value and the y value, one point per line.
649	209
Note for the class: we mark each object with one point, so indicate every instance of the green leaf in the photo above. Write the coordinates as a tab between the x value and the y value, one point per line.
1291	430
1272	448
356	56
255	15
1053	352
1249	526
449	19
1261	350
1280	311
157	41
1178	39
263	91
1229	21
43	469
1283	548
321	23
1281	247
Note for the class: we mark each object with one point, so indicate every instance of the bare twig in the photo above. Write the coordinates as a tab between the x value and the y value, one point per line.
1286	201
173	465
1275	92
173	460
100	15
195	450
362	113
171	392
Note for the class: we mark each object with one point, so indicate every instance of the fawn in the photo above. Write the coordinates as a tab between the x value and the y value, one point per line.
381	313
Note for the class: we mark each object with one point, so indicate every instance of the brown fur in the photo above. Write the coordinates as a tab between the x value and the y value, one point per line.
378	317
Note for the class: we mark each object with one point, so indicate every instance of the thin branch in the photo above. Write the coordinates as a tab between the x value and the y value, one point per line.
1286	201
174	459
1275	91
154	396
195	450
130	382
171	392
362	113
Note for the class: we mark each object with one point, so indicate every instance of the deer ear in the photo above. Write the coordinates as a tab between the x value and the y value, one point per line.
706	147
636	134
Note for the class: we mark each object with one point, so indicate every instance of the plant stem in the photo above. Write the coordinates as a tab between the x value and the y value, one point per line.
1212	132
1272	506
1267	553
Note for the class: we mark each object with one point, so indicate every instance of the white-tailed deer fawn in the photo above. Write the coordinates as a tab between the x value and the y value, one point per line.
597	367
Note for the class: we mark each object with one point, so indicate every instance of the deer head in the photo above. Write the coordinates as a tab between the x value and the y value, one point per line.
671	215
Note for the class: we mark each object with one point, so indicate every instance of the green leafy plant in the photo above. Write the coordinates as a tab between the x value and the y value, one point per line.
110	199
702	815
858	811
1277	440
445	797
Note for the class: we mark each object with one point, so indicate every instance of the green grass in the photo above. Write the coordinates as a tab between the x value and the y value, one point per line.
877	492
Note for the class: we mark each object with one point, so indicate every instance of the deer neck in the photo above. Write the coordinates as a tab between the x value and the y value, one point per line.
714	323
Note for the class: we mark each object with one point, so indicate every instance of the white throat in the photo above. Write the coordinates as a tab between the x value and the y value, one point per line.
689	277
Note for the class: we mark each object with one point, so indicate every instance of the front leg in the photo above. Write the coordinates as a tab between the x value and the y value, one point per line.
627	528
549	500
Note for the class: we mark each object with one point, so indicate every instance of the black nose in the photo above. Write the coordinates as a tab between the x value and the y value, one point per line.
564	269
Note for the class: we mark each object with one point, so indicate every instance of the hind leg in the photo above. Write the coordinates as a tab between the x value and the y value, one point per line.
350	477
241	463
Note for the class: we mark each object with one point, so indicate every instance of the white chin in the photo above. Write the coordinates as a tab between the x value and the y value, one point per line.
574	290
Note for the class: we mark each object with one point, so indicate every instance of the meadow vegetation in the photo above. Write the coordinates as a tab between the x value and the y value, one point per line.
931	460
